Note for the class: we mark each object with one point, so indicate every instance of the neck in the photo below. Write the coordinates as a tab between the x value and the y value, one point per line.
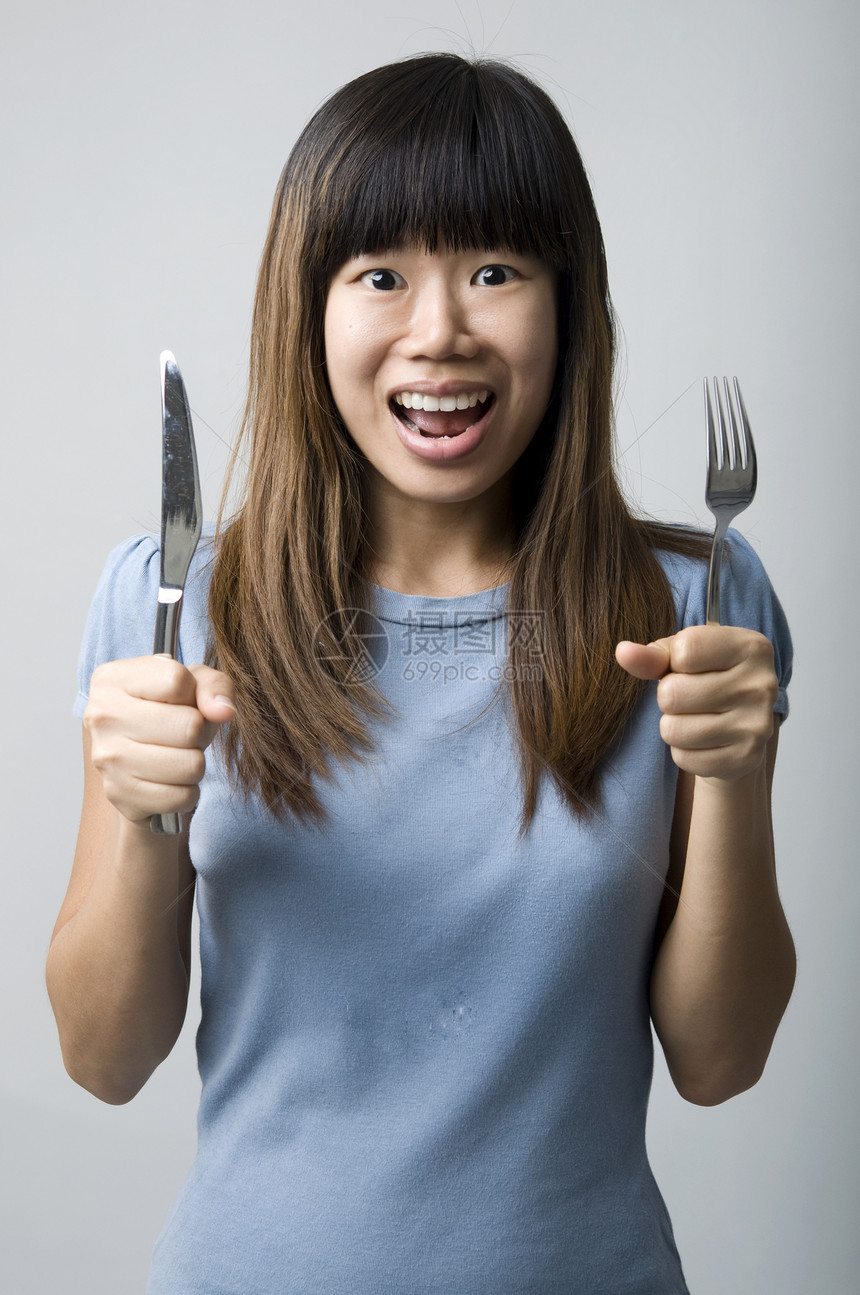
437	549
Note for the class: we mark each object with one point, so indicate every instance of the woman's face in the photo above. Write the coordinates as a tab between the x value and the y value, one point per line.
441	364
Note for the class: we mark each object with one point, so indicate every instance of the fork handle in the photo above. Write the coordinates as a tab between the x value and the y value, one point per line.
712	614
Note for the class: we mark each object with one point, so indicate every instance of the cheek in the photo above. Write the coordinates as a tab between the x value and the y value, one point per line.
527	339
536	348
353	350
340	361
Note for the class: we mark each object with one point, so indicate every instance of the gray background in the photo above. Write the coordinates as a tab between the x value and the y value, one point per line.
141	145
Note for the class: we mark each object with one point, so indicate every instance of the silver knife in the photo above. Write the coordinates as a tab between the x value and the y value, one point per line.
181	522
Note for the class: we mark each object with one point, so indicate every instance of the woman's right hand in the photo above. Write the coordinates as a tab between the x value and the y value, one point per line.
150	720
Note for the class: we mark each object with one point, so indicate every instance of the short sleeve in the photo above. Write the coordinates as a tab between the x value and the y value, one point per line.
747	599
121	620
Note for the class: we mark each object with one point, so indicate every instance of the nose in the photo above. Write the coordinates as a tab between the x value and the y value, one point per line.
439	325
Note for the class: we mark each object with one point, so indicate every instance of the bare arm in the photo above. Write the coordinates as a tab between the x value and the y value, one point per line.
117	970
724	969
724	965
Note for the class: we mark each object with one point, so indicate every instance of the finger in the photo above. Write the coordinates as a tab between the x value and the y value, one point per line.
141	779
644	660
167	766
699	694
728	764
215	695
696	732
701	648
748	688
139	800
712	762
168	800
150	678
733	738
716	693
113	714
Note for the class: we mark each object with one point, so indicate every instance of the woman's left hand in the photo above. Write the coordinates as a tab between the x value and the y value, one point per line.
716	690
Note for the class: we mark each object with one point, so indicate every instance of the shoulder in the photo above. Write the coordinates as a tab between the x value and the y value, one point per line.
744	576
133	564
128	584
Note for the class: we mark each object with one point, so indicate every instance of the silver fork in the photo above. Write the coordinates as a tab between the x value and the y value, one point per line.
732	474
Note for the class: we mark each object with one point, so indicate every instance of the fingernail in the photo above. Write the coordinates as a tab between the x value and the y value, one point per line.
225	701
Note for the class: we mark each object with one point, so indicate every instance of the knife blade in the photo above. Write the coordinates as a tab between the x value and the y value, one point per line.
181	523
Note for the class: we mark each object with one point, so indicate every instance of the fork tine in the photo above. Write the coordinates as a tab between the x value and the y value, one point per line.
713	457
725	459
738	457
749	443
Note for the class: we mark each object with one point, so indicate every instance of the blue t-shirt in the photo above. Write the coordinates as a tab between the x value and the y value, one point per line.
425	1044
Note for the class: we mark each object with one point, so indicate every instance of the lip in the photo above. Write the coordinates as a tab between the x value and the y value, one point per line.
453	388
439	449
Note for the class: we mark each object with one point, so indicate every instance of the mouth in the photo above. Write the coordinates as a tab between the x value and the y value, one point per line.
442	429
441	418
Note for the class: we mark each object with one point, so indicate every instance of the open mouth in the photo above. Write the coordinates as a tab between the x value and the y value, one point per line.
441	418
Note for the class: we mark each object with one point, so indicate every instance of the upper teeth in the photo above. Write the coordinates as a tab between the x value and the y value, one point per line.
415	400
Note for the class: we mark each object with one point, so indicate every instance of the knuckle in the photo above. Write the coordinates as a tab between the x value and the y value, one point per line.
194	729
686	760
761	648
173	800
175	681
750	743
668	729
771	692
103	739
205	674
95	717
761	693
100	675
683	648
102	761
667	693
763	729
186	798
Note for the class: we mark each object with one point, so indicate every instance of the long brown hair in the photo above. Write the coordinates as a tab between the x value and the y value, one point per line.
441	152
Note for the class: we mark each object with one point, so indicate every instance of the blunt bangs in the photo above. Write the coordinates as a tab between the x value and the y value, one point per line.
440	152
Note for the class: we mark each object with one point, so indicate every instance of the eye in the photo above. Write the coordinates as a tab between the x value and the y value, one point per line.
493	276
383	280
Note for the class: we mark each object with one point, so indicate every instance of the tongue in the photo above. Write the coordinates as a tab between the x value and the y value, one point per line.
443	424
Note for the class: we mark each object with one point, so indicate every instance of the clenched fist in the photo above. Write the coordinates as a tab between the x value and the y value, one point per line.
150	721
716	689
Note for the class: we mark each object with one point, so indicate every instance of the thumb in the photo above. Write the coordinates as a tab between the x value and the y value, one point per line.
216	698
645	660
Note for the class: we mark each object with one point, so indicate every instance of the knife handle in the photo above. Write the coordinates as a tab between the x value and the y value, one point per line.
165	643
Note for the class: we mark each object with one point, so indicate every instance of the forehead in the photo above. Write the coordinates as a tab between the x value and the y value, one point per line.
411	193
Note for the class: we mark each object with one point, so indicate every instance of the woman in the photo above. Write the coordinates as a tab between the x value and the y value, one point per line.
450	851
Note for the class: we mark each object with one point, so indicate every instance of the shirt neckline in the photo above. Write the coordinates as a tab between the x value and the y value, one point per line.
406	609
